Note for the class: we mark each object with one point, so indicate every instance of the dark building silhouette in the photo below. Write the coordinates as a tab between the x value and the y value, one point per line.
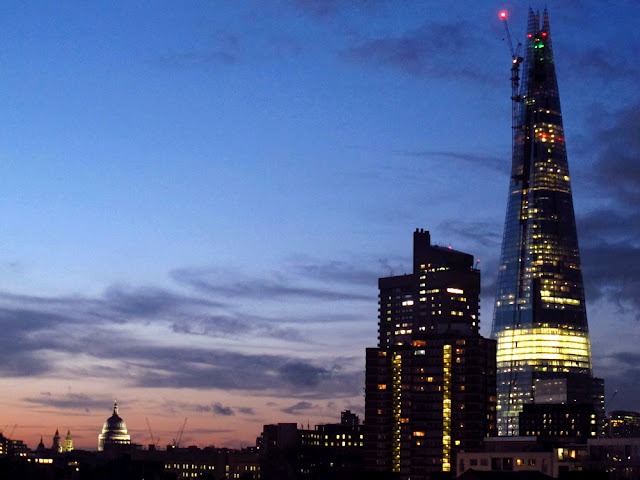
440	296
207	463
348	418
10	447
625	424
524	457
430	384
56	446
330	451
540	319
614	458
558	421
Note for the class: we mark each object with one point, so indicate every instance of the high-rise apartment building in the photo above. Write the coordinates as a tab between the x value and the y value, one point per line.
540	320
430	384
441	295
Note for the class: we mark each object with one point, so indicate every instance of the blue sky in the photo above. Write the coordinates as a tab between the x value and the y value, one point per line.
197	198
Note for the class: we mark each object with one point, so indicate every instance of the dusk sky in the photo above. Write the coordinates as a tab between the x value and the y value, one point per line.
197	198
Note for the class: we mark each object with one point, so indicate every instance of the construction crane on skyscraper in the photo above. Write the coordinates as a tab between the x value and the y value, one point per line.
516	60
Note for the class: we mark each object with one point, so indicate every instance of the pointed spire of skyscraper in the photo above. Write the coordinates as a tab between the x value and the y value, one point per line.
540	317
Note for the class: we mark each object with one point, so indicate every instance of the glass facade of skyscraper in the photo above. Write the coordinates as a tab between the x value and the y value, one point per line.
540	319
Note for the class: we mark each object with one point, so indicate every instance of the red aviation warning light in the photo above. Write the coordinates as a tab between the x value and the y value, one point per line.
515	53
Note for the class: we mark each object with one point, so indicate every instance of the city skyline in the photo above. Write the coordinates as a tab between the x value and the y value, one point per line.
197	204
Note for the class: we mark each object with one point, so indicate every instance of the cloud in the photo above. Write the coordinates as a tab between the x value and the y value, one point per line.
36	328
318	8
617	167
598	63
214	325
337	271
609	245
69	401
118	304
298	407
212	281
43	336
231	46
612	271
149	302
196	59
478	161
218	409
433	50
631	359
487	234
221	326
215	408
389	267
328	8
608	225
222	49
301	374
180	366
625	378
23	342
276	375
208	431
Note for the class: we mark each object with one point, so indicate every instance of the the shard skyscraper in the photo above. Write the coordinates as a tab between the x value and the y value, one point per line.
540	321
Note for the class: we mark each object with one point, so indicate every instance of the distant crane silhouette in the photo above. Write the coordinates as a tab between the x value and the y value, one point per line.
154	442
8	437
516	60
176	441
611	398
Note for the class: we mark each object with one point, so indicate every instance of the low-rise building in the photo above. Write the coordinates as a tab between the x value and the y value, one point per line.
619	458
524	454
623	423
